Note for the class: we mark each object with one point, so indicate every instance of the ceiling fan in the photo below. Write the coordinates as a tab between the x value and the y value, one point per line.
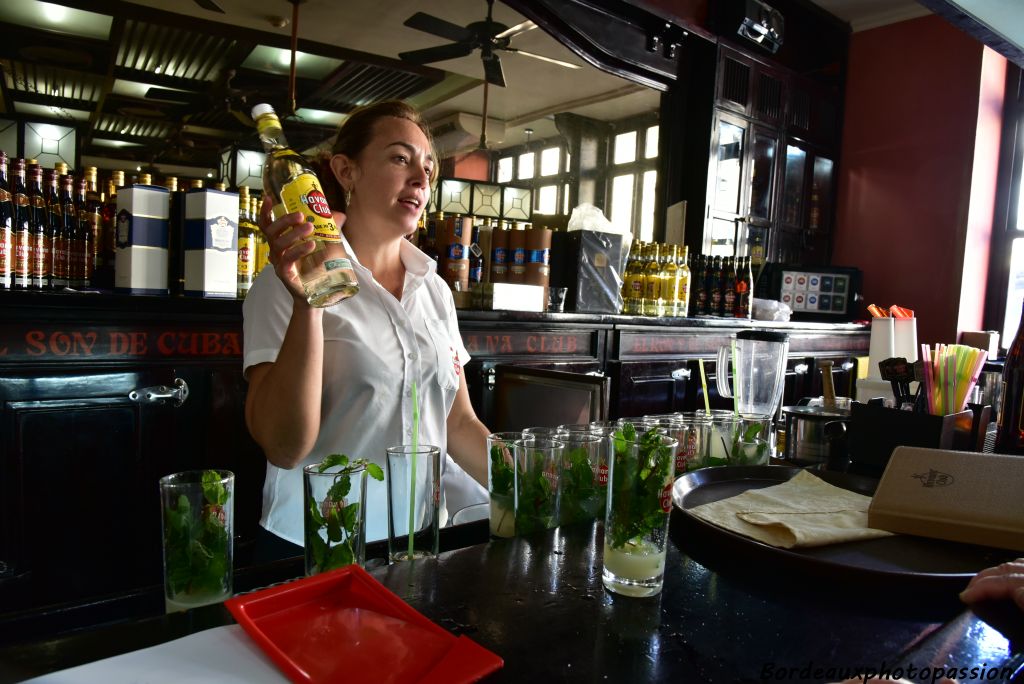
488	36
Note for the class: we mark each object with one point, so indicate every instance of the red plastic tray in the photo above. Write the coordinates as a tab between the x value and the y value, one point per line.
343	625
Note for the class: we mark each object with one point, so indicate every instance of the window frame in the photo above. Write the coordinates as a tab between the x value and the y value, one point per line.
561	180
1010	185
637	167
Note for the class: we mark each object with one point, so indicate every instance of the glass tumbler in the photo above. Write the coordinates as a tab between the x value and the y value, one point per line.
414	501
335	516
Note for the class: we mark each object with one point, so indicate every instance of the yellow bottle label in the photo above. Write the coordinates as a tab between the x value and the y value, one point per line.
246	255
303	193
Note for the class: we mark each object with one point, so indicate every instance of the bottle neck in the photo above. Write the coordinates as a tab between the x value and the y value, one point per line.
271	135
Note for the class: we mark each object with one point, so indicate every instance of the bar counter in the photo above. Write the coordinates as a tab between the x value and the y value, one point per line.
539	604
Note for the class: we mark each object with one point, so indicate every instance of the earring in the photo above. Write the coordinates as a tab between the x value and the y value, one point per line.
348	197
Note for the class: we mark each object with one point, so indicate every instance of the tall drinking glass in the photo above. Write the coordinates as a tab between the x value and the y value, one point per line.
414	499
538	467
637	512
501	482
197	508
335	516
584	478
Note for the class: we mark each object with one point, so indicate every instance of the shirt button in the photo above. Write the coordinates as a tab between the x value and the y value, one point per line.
412	356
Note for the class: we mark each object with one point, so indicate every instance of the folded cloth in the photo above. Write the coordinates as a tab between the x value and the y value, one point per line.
806	511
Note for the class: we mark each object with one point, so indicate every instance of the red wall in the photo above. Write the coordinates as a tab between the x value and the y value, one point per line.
475	165
908	156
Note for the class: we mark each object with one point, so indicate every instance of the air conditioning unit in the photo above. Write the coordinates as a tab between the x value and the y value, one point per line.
460	132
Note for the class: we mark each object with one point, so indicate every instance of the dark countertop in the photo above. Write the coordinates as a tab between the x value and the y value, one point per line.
79	305
539	604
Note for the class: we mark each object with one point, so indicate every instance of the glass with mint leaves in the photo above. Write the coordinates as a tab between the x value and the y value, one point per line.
637	512
584	477
538	472
197	508
501	482
335	511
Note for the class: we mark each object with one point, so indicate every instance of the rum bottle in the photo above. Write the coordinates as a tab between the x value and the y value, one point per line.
326	274
39	240
93	218
652	282
700	287
81	240
714	286
248	240
682	284
21	273
744	289
1010	434
668	273
728	285
58	266
6	226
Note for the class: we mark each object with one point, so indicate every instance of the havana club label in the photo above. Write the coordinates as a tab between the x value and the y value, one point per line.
304	194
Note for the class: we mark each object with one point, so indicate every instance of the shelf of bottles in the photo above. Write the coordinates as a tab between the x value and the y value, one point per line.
58	228
665	280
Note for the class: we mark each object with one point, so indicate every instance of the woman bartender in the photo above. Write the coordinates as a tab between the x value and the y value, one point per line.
339	380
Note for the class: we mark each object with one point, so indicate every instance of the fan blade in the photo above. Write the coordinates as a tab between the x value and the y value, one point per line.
209	5
492	70
437	54
543	58
516	30
178	96
439	27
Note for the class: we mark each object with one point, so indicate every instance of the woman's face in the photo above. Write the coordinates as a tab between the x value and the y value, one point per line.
390	181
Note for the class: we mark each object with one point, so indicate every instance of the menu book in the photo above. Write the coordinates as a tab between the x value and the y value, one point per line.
961	496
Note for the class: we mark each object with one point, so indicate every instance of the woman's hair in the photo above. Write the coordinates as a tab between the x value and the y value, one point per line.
355	134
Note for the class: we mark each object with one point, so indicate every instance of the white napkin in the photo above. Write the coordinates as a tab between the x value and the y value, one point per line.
805	511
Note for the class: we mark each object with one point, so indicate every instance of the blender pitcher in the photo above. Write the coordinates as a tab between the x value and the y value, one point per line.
759	371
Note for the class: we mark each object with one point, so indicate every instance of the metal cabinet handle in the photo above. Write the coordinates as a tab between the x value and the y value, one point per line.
681	374
492	377
157	395
846	365
801	369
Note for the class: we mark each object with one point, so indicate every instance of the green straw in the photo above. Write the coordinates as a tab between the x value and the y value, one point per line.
412	477
704	384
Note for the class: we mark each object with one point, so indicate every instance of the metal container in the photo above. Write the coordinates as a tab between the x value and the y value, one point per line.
806	430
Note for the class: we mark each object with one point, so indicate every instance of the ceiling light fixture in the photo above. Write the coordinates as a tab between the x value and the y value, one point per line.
138	168
209	174
158	69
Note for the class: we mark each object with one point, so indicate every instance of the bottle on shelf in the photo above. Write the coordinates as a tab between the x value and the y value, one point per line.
1010	431
81	248
21	235
700	286
713	279
39	240
55	228
728	287
248	233
652	282
69	224
104	277
667	276
429	247
6	226
93	218
744	289
681	288
262	248
326	274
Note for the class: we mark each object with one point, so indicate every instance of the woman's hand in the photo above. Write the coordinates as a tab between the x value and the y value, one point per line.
287	239
1004	581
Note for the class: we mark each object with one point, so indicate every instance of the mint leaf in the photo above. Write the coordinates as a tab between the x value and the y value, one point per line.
375	471
331	461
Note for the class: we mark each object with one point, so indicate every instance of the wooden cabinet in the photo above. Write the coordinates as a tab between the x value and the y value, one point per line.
771	173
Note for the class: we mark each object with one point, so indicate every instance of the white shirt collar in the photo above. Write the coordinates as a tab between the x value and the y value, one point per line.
418	266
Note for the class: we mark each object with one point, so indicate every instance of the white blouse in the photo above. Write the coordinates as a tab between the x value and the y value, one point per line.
375	348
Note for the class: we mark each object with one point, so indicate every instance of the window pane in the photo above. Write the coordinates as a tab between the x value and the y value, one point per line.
622	201
549	161
651	144
625	147
547	200
1015	292
567	158
728	170
565	199
526	165
647	206
505	170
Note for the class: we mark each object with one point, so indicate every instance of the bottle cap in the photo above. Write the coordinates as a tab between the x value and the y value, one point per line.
261	109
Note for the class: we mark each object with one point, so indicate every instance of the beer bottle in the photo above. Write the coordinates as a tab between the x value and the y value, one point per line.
326	274
6	226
